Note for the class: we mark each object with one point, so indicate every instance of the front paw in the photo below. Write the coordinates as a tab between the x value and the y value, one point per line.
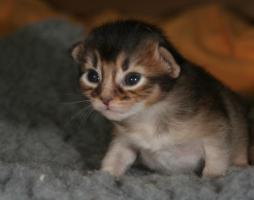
213	173
113	171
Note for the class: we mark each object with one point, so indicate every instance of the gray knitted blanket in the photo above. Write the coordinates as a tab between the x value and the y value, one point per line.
51	144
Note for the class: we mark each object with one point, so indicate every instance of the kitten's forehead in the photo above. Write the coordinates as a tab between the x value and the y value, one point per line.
126	36
113	38
142	54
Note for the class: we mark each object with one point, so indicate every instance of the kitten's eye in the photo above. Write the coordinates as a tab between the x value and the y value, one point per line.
132	78
93	76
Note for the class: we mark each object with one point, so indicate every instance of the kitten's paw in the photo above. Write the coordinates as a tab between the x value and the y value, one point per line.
241	162
213	173
112	171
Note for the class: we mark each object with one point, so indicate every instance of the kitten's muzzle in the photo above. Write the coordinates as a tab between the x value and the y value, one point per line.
106	100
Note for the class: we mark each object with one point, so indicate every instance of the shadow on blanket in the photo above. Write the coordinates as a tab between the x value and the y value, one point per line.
50	147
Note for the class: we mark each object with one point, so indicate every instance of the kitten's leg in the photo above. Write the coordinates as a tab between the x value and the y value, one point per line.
118	158
240	144
217	158
251	154
240	156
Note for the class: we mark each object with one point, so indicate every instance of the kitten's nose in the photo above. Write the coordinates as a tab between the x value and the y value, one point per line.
106	100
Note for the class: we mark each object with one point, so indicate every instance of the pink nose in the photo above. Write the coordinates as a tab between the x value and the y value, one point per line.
106	100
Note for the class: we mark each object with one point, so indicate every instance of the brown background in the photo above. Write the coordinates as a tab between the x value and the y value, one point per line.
143	7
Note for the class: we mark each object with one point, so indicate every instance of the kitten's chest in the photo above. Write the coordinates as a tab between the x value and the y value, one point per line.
165	150
148	137
153	137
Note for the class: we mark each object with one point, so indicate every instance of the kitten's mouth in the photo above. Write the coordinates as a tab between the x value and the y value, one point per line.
113	114
111	110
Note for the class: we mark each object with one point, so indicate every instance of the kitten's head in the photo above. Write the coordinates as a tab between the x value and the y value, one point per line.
126	67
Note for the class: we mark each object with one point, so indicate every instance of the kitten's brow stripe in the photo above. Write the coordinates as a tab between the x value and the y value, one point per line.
94	60
125	65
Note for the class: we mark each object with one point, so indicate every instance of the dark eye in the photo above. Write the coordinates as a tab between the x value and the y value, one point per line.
93	76
132	78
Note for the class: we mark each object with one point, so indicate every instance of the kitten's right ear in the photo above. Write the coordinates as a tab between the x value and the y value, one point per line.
78	51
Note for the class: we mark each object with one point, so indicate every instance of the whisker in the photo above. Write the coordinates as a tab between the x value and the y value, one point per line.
87	116
84	118
77	102
73	93
77	114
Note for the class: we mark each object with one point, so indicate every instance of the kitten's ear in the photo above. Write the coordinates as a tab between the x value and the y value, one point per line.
169	61
77	52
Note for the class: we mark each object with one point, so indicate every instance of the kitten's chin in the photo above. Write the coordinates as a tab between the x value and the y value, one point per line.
115	116
121	115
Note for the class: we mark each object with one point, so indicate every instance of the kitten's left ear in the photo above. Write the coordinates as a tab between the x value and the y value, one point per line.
169	62
77	52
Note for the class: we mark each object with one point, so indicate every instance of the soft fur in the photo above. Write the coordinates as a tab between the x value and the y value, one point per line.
176	117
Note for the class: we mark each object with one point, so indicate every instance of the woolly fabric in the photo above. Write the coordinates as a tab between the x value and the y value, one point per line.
50	148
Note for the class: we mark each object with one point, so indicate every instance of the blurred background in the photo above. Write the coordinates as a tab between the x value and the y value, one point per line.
218	35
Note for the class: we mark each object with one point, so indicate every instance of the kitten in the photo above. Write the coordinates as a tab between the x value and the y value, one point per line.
165	109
